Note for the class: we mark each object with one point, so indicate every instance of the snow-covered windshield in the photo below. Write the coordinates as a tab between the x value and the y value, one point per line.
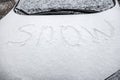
52	7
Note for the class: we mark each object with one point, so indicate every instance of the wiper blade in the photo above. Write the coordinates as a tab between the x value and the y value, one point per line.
20	11
65	12
58	12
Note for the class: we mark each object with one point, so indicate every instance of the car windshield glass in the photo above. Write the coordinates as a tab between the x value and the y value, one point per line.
52	7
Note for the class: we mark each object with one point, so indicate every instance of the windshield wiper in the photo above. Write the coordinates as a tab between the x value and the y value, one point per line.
20	11
58	12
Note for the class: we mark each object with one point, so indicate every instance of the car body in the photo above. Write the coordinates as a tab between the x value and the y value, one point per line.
60	47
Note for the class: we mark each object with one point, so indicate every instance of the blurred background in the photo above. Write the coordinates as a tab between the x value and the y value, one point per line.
6	6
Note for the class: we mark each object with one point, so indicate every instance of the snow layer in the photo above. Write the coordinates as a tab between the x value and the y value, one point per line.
34	6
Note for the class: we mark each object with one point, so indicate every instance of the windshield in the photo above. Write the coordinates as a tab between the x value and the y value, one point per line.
52	7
